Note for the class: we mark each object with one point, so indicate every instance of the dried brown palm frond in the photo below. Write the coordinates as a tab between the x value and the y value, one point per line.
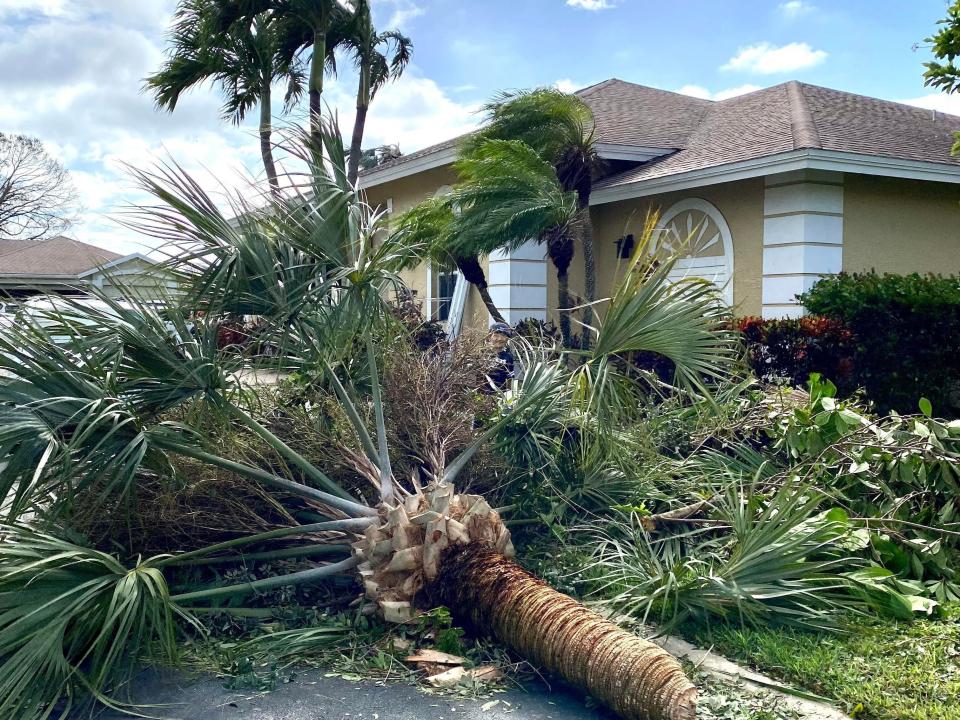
433	399
213	506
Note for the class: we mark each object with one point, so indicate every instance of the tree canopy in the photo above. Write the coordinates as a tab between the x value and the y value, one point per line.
37	198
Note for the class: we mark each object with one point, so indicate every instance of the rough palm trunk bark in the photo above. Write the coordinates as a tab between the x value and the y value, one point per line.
266	143
356	141
589	265
560	248
563	305
634	677
488	302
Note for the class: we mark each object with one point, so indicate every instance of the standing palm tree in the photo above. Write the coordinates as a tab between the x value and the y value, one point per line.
302	24
244	61
505	196
375	67
560	127
432	224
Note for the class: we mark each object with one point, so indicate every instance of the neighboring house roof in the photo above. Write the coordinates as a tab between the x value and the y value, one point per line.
683	134
56	257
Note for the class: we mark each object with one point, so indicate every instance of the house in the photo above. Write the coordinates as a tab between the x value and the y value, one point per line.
779	187
66	266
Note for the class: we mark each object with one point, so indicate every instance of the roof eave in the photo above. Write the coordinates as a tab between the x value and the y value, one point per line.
430	161
805	159
446	156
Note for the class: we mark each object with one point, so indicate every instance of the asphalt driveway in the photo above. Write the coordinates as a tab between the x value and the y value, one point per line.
312	696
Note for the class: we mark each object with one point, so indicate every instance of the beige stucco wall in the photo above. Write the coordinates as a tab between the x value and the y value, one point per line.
900	226
889	224
740	203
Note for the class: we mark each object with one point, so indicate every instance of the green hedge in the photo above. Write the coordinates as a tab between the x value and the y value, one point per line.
906	335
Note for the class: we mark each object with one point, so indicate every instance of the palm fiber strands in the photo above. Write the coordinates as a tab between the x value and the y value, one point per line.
634	677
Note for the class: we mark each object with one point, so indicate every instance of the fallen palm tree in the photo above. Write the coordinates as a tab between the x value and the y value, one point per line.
90	415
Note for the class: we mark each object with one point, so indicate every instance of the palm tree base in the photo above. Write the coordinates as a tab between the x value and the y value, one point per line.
454	550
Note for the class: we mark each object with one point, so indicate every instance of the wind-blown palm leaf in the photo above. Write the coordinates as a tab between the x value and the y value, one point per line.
69	426
785	563
559	126
507	196
73	623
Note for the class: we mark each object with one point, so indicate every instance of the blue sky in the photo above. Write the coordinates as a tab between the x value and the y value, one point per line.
71	71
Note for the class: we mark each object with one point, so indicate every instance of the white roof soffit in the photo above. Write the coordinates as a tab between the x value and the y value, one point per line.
809	159
115	263
632	153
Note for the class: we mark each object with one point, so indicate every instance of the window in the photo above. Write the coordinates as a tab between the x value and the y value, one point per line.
698	229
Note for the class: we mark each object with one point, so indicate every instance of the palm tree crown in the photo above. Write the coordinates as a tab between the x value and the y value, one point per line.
244	61
560	128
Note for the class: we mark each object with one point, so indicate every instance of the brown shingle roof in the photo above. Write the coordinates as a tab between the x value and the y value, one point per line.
785	117
625	113
631	114
56	257
795	115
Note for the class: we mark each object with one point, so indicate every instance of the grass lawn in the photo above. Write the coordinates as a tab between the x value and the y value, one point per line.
892	671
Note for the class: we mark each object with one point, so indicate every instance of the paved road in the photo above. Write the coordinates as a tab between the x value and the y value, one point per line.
311	696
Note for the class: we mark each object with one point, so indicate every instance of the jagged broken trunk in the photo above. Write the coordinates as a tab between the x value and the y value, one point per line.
442	548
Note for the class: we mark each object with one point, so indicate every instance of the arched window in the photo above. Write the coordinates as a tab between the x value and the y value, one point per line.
697	228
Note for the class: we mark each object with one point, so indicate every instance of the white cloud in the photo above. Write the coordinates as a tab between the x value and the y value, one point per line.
401	12
84	100
413	112
767	59
590	4
941	102
567	85
23	7
795	8
699	91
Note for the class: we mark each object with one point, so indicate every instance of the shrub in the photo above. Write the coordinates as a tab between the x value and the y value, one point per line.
791	349
906	330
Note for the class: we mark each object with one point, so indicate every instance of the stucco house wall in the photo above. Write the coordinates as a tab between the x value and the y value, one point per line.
741	205
401	195
900	226
887	224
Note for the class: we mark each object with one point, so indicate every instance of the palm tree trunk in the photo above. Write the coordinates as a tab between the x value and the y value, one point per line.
473	273
589	267
266	144
359	122
488	302
560	249
563	305
634	677
317	65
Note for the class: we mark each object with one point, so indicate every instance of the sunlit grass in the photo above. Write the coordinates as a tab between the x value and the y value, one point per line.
878	671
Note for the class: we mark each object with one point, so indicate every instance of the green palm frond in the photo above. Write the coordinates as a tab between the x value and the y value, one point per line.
785	563
507	196
70	423
685	321
73	623
559	126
